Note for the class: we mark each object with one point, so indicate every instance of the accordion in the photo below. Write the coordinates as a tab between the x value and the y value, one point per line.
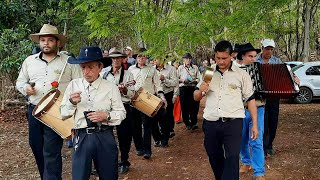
272	80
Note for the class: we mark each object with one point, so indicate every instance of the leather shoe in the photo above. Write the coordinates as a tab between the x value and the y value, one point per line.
271	152
140	153
147	156
189	127
245	168
123	169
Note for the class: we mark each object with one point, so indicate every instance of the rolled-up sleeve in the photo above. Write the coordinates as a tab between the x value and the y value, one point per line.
67	109
118	112
247	86
23	79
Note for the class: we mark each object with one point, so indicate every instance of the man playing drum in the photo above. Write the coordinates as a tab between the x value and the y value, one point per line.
96	106
117	74
35	79
145	76
169	80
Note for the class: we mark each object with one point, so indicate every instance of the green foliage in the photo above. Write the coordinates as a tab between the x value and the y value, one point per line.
14	49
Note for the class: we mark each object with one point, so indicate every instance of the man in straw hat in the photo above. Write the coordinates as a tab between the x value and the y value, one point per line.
247	55
37	73
118	74
96	106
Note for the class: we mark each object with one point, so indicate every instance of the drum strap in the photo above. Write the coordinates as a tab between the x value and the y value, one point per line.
110	71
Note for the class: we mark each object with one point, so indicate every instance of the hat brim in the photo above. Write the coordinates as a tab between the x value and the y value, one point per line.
36	37
116	55
241	52
106	61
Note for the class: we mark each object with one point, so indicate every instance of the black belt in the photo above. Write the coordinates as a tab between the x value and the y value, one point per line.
225	119
91	130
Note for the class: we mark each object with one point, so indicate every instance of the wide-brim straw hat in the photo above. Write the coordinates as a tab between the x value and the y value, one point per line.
116	53
48	29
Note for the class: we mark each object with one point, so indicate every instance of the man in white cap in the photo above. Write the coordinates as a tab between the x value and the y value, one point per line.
272	104
35	79
129	53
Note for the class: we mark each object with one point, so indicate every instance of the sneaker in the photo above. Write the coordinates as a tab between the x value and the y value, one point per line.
140	153
271	152
147	156
123	169
157	144
172	134
259	178
194	127
245	168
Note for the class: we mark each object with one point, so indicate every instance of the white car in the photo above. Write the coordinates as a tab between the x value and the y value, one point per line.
293	63
309	75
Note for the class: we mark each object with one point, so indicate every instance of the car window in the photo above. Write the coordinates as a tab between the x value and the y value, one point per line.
297	67
313	70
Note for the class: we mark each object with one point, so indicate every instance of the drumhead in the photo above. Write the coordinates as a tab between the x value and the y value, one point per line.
46	102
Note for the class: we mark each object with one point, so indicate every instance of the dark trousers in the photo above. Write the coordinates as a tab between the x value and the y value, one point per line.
161	122
124	134
271	118
142	142
222	141
46	147
189	106
99	147
169	111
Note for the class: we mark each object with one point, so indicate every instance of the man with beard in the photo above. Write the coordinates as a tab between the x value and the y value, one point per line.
37	73
117	74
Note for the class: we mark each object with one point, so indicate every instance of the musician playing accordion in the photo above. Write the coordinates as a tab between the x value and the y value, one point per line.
247	54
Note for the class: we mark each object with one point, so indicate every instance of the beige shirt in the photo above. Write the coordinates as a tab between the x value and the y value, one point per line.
101	95
226	93
35	70
146	77
171	79
127	77
183	73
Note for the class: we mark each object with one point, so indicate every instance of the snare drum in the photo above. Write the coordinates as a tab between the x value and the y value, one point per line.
146	102
48	112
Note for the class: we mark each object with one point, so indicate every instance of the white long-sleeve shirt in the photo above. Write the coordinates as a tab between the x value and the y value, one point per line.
36	70
100	95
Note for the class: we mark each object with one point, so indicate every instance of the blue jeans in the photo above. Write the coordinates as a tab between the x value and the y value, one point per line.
257	159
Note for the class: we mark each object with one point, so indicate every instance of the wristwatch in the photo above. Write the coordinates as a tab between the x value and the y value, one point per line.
109	118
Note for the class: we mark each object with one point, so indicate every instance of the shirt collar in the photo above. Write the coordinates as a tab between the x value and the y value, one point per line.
40	54
95	84
232	67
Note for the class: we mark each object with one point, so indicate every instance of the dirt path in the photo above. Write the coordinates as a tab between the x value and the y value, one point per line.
297	145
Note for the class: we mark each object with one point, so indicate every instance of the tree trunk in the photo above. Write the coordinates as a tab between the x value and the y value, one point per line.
306	31
297	31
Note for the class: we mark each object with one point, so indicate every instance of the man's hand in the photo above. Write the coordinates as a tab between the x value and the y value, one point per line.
30	90
98	116
123	89
204	87
174	98
165	103
162	78
254	132
75	97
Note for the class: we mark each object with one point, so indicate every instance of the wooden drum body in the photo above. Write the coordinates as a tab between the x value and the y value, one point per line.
146	102
48	112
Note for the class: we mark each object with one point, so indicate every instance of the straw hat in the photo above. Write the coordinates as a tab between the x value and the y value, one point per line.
48	29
